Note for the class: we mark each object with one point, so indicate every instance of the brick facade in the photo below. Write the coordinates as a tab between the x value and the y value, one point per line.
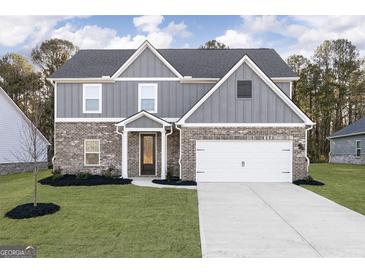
190	135
69	147
173	152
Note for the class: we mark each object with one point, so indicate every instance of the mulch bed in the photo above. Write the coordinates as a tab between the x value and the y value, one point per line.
174	182
93	180
310	183
26	211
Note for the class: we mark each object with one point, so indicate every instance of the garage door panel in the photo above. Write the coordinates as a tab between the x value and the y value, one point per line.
243	161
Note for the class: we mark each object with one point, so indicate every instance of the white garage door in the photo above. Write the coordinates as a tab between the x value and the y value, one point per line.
244	161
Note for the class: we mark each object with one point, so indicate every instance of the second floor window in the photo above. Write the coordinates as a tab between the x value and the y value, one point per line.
147	97
92	98
244	89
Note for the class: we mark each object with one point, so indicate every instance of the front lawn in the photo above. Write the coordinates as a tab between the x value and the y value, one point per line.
103	221
344	184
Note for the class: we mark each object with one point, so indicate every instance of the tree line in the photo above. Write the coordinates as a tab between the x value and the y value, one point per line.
331	88
25	81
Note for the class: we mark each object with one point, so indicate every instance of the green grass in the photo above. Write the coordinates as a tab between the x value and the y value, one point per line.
103	221
344	184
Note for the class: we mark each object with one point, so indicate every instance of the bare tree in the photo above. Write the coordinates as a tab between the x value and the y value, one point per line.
33	148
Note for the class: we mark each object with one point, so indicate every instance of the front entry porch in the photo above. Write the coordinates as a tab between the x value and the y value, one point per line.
144	145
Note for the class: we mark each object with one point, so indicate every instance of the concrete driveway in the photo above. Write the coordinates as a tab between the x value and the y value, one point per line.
275	220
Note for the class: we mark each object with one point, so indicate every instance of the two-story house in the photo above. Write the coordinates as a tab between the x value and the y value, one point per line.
207	115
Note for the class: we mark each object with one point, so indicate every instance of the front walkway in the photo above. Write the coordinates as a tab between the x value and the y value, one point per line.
147	182
275	220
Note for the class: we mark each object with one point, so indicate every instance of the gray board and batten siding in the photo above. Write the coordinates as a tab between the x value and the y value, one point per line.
147	65
144	122
120	99
284	86
264	107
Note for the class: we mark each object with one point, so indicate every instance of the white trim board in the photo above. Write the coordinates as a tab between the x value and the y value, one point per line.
243	125
101	120
263	76
138	52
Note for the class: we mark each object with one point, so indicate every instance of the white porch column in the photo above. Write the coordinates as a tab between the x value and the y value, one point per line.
125	154
163	154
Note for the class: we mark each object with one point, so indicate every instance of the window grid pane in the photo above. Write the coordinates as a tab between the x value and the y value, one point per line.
148	104
92	104
92	146
92	158
92	91
148	91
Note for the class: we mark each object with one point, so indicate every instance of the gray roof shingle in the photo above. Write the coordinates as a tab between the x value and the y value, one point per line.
198	63
352	129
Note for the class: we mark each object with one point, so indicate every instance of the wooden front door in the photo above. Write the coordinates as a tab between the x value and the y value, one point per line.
148	155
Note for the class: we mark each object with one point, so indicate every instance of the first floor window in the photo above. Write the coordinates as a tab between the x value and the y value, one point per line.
147	97
92	152
91	98
358	148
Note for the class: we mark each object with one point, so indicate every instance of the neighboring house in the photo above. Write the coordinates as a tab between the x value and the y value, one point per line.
348	144
201	114
15	139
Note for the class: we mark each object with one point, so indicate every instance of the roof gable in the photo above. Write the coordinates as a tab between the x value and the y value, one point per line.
141	52
245	59
147	64
142	114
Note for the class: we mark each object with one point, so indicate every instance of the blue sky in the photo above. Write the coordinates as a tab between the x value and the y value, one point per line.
287	34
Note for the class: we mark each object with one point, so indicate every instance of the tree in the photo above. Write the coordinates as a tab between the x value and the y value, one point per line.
213	44
330	90
50	56
32	149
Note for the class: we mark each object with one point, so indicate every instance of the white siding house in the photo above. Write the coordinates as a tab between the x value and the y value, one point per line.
14	126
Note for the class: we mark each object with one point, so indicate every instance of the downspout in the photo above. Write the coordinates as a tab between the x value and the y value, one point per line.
306	146
121	163
172	129
179	129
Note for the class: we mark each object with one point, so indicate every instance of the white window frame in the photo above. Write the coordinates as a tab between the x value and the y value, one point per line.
84	97
356	149
86	140
140	85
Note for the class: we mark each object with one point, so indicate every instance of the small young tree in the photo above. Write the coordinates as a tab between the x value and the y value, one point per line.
33	148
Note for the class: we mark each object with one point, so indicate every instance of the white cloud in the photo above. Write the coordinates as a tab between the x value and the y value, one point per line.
148	23
16	30
302	34
92	36
235	39
89	36
28	31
